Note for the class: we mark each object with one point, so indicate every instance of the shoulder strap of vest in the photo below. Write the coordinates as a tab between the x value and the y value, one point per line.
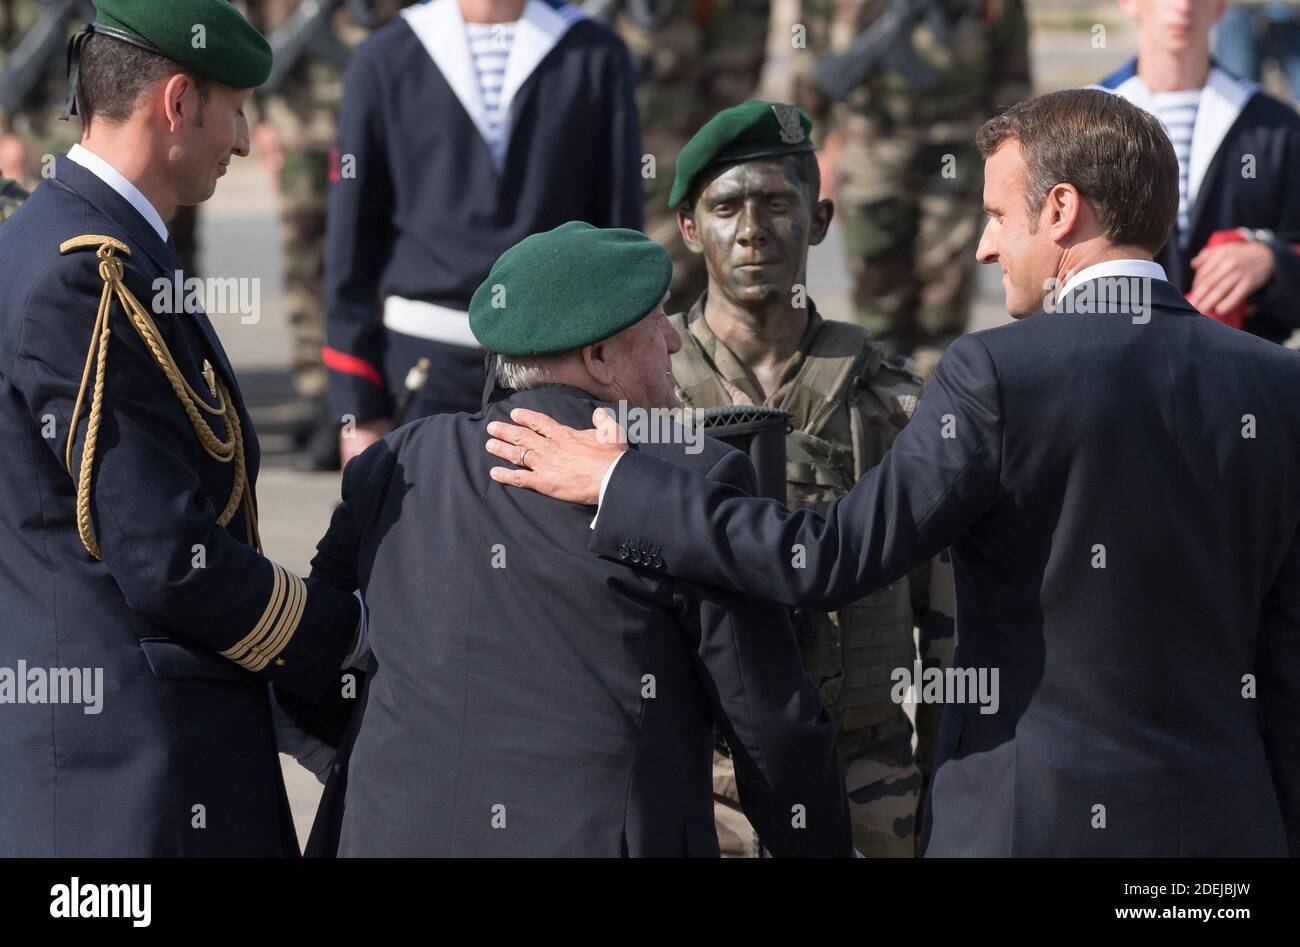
692	372
840	357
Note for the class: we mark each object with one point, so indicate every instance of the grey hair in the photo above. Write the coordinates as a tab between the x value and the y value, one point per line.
519	374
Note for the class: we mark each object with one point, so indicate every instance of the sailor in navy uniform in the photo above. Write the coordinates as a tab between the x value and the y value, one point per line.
1239	155
128	523
456	141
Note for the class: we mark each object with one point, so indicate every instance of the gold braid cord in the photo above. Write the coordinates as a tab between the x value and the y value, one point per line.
224	451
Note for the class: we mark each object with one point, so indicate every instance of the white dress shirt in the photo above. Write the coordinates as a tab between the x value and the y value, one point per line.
1142	269
115	179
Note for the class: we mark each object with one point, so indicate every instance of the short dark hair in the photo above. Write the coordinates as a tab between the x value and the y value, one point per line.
116	76
807	172
1117	155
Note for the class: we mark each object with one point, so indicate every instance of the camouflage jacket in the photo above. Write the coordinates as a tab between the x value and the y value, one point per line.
980	68
827	450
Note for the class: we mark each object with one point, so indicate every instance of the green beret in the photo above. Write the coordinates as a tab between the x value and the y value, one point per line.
228	49
572	286
751	130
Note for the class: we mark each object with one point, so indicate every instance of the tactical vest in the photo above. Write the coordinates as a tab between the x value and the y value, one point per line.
849	653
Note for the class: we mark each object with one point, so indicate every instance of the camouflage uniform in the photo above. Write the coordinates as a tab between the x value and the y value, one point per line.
908	178
847	403
12	196
695	58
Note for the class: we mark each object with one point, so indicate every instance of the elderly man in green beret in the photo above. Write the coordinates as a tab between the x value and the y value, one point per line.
526	698
747	198
143	622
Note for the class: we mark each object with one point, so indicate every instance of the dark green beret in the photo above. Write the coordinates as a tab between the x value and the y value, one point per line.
572	286
228	49
751	130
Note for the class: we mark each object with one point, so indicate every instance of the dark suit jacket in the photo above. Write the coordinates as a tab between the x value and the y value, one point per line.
527	698
181	727
1161	682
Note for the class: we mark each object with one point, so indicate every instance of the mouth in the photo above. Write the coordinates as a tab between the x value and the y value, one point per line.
756	265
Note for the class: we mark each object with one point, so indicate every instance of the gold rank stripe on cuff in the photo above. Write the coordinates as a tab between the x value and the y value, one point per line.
275	629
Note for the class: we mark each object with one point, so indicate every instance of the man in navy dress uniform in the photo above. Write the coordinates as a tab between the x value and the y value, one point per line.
142	622
1117	477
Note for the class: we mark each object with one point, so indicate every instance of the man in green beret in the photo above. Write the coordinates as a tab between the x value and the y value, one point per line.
143	622
523	698
747	199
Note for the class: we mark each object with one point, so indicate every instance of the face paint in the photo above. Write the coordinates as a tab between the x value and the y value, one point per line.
754	221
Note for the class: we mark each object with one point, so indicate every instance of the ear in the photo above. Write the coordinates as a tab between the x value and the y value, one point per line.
1062	213
594	359
175	106
1129	8
690	233
822	213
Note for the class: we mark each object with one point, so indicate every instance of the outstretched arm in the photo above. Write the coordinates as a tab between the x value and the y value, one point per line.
940	476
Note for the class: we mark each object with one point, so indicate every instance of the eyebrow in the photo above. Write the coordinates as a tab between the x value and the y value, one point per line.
743	192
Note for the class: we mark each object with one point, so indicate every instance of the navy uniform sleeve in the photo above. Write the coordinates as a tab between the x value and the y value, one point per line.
1279	689
781	737
358	244
939	477
1278	296
620	192
155	523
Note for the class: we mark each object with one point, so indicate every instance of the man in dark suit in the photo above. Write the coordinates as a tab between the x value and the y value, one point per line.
524	697
1119	480
128	522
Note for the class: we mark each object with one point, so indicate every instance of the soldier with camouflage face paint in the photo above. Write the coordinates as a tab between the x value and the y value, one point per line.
746	200
901	159
694	57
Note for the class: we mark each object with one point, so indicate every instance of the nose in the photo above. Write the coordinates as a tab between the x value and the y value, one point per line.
749	232
242	138
672	337
987	251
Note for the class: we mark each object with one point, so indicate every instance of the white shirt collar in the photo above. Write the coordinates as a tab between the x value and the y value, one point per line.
114	179
1143	269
